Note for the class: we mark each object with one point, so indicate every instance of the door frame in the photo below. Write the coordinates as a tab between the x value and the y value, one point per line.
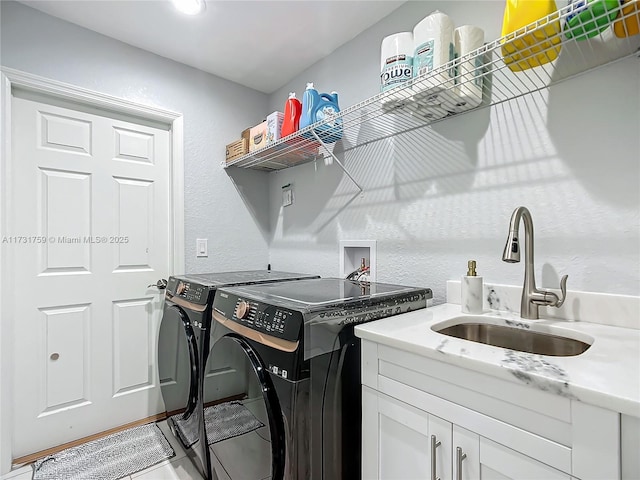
10	79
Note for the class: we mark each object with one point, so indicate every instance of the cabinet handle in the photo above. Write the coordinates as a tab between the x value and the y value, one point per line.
459	458
434	445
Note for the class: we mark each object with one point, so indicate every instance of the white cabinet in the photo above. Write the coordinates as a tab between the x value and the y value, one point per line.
441	447
630	431
420	414
403	442
406	443
400	440
499	462
466	454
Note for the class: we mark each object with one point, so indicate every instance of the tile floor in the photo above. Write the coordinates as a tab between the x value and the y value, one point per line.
178	467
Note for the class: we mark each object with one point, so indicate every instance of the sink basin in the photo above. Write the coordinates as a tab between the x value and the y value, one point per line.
520	336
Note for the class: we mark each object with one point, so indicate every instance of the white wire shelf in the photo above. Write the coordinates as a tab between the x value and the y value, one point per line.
410	106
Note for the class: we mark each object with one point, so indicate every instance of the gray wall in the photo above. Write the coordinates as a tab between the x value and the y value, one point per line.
443	195
215	111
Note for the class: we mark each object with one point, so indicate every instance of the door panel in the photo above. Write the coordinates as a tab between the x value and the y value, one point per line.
64	133
90	192
134	207
64	214
66	382
133	146
133	346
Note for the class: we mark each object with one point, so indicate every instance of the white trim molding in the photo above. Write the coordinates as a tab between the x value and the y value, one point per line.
11	79
6	323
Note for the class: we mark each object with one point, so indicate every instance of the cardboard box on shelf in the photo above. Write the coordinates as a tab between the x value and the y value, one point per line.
258	137
246	133
237	149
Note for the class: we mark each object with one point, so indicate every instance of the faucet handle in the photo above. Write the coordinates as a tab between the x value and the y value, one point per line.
550	299
563	289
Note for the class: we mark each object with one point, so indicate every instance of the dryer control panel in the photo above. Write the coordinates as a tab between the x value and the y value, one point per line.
191	292
269	319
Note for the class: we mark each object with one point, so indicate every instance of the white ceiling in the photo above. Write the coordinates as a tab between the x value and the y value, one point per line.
259	44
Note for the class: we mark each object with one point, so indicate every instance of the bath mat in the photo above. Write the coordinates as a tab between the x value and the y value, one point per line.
107	458
222	421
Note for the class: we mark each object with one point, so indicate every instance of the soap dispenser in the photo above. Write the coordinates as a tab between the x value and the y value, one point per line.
471	290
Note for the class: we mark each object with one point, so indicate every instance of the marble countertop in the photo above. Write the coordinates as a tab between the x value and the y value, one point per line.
606	375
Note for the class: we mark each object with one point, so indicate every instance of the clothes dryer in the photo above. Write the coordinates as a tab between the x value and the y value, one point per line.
184	343
297	364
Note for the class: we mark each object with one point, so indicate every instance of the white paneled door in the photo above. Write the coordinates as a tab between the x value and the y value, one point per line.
89	232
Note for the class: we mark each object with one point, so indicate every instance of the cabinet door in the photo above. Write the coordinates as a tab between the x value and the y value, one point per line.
440	442
498	462
400	450
466	454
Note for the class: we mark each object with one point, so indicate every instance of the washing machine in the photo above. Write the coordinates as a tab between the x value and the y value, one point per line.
183	344
296	413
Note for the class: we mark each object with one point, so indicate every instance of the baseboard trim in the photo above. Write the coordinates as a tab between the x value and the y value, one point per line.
32	457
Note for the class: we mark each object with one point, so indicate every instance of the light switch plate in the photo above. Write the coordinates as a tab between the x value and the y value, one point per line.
201	247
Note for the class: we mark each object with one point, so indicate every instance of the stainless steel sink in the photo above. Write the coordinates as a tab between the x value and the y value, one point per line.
520	338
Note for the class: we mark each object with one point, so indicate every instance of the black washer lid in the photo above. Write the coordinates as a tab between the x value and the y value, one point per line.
330	306
320	293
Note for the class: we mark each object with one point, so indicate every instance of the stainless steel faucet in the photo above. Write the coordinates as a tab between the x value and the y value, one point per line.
532	298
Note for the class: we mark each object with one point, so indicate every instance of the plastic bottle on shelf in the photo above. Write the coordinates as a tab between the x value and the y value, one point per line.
292	112
588	18
309	100
523	49
321	107
628	21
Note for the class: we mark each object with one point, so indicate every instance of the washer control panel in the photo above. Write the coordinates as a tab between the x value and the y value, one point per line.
191	292
269	319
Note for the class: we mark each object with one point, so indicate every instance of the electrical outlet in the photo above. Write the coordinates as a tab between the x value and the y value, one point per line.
287	195
201	247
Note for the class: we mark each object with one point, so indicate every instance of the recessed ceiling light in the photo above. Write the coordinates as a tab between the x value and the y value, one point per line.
190	7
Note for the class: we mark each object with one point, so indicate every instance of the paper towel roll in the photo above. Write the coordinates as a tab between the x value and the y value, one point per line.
469	81
393	100
396	60
439	96
433	48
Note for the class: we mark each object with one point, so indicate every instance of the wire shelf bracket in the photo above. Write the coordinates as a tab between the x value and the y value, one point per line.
337	160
